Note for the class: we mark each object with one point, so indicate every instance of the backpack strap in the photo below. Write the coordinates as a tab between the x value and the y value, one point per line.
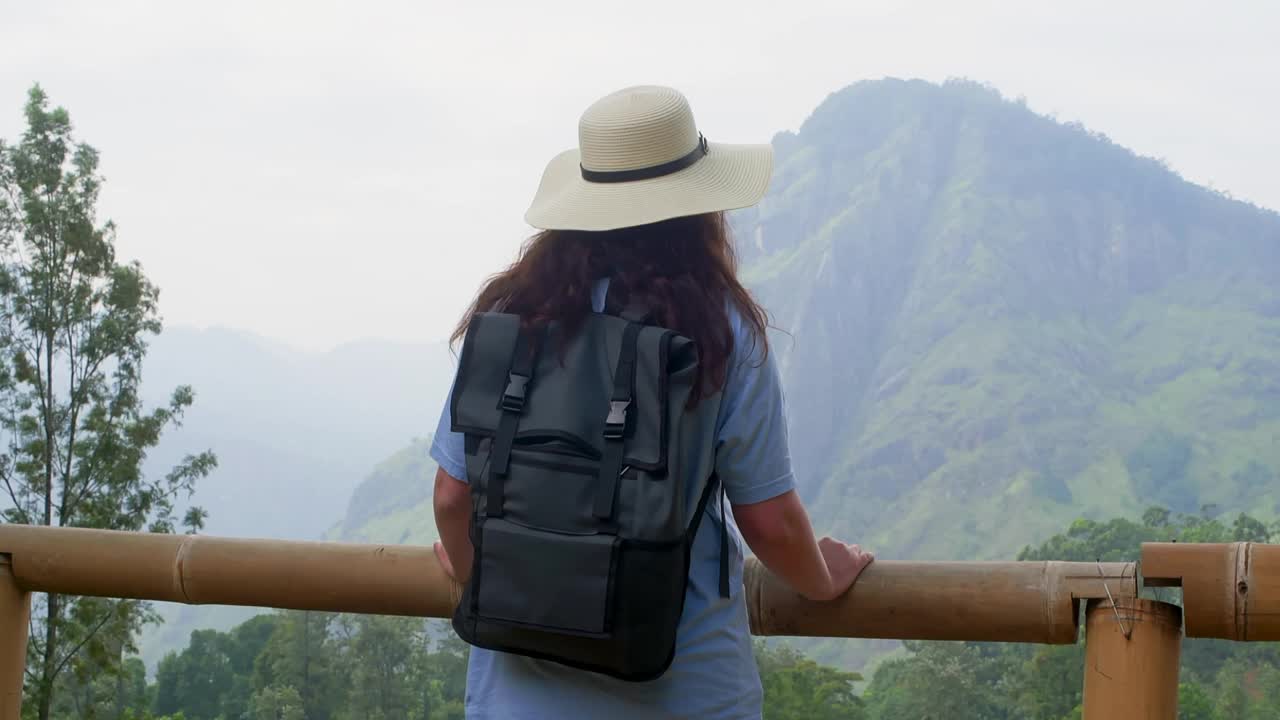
724	545
615	425
714	486
523	360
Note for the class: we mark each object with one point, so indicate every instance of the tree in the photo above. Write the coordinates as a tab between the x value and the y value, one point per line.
312	665
797	688
941	680
1248	691
1049	685
197	680
1194	703
276	703
212	677
74	325
87	696
145	715
246	642
441	677
302	654
381	655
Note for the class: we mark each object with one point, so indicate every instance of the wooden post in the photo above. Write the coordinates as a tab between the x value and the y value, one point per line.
1131	660
15	612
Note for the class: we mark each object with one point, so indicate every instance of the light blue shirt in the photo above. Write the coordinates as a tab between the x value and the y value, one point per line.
714	675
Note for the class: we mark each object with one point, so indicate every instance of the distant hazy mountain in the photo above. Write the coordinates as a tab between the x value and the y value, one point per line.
294	432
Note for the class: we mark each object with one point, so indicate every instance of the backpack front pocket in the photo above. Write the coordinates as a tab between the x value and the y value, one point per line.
545	580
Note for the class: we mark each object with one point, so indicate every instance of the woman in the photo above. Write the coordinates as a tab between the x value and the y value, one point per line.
637	212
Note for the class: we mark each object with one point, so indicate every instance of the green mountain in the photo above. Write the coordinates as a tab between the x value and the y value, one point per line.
393	504
999	322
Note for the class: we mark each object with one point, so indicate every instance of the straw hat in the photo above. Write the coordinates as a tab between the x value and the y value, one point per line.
641	159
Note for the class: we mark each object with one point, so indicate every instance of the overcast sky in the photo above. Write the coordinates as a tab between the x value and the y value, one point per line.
322	172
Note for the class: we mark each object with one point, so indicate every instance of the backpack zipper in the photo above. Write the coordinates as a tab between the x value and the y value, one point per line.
519	458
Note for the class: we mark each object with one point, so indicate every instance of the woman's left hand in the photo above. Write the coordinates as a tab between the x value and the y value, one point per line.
445	563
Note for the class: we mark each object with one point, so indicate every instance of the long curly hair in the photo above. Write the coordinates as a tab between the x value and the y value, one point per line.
683	270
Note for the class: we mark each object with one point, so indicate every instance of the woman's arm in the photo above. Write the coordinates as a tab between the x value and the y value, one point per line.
452	502
778	532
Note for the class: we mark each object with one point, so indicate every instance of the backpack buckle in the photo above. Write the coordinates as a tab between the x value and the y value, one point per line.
616	423
513	396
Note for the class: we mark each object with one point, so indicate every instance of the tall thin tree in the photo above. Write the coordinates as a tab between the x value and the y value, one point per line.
74	325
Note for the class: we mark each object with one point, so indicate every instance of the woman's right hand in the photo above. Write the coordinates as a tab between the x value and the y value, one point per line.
845	563
778	531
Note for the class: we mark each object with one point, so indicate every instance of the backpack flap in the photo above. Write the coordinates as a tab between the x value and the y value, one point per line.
567	402
547	581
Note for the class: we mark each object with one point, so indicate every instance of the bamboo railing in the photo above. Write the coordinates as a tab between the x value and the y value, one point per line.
1230	591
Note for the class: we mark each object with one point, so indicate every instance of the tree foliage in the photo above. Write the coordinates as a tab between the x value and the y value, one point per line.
797	688
74	324
1220	680
316	665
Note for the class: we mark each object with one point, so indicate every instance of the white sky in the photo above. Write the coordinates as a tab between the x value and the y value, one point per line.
320	172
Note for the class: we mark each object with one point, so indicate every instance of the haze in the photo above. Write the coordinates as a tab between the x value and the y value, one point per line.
322	172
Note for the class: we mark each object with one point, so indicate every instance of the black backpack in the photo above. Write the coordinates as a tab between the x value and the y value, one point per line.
579	456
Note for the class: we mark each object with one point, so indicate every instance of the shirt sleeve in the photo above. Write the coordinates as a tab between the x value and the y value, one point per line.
447	447
753	457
